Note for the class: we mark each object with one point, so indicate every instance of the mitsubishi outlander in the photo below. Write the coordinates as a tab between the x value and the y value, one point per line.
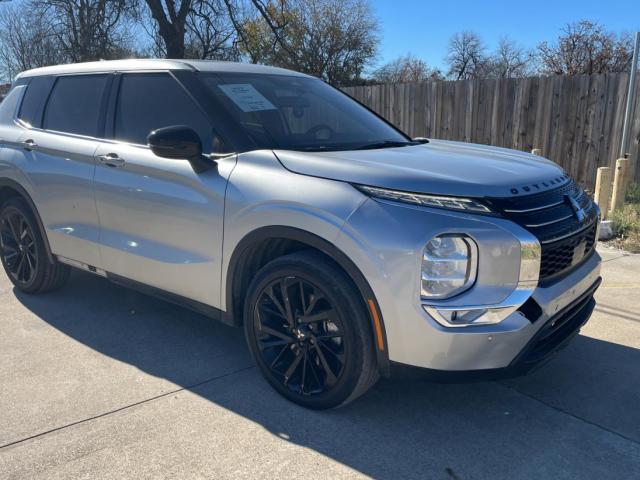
266	198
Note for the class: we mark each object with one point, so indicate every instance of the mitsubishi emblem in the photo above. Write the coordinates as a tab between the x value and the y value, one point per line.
578	211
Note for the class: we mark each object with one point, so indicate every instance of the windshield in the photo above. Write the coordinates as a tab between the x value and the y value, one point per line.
297	113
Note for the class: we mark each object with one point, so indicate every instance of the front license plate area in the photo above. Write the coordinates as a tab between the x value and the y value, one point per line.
578	252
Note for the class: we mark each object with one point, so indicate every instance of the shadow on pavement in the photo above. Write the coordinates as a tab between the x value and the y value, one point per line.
400	428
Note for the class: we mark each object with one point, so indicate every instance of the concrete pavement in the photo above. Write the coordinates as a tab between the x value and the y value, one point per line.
100	382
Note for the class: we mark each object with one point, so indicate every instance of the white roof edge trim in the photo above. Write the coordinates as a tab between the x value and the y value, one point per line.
156	64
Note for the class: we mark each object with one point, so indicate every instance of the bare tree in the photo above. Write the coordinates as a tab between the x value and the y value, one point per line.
586	47
87	29
465	56
331	39
206	28
26	41
509	61
210	32
171	21
406	69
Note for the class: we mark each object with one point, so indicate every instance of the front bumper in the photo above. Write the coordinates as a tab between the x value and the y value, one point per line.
553	336
386	242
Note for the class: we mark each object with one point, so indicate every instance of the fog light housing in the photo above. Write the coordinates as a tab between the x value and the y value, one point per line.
450	317
449	266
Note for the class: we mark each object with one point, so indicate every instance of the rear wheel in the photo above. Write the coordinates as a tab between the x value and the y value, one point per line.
23	252
308	331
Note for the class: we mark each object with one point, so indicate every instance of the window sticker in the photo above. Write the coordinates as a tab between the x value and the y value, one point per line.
246	97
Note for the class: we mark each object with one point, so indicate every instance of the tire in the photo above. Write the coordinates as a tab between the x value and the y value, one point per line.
23	251
321	354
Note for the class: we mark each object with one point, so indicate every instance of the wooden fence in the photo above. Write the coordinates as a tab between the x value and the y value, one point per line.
575	120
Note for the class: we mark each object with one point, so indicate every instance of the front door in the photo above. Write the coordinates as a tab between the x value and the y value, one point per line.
161	222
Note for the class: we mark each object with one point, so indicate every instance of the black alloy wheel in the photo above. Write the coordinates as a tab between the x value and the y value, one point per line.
309	332
18	247
299	335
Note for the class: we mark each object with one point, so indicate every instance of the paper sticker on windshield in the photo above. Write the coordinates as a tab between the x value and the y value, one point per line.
245	96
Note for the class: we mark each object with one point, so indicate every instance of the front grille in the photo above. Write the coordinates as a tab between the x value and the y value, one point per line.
563	254
565	239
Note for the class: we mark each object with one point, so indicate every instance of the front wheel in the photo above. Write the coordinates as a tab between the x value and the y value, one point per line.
308	331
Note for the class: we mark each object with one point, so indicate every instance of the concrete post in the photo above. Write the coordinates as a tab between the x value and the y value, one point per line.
603	190
619	181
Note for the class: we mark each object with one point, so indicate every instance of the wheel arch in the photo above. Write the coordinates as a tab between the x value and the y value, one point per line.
10	189
267	243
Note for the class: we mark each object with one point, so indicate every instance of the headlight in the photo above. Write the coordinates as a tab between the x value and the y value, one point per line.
449	266
452	203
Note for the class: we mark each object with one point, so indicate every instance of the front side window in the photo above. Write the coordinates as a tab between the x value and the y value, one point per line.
74	105
298	113
148	101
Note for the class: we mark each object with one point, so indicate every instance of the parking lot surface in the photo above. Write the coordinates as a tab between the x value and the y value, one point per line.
97	381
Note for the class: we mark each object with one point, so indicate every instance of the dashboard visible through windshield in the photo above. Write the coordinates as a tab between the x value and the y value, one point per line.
298	113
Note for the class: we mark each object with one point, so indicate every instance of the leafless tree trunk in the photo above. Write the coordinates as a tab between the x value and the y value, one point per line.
171	18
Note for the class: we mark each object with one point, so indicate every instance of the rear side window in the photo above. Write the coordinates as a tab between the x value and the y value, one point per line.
148	101
9	104
74	105
33	102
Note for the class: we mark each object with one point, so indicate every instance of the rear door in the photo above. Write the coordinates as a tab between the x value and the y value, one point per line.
161	222
61	119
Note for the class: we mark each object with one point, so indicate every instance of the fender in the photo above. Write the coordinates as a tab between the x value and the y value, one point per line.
333	252
6	182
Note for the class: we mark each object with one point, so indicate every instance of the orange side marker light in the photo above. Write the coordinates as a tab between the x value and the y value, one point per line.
376	324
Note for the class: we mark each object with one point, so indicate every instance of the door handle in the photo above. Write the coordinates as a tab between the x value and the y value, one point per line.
29	144
111	160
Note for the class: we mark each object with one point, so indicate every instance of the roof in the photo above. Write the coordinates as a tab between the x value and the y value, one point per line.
156	64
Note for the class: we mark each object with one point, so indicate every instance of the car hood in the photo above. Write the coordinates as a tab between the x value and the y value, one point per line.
438	167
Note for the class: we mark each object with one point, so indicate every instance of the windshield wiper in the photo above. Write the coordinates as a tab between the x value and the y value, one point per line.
385	144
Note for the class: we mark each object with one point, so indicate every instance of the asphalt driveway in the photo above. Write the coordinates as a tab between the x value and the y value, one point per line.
100	382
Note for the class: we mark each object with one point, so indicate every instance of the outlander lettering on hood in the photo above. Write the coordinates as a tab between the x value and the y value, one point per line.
540	186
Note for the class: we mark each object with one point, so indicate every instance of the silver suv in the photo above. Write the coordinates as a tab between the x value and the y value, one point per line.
266	198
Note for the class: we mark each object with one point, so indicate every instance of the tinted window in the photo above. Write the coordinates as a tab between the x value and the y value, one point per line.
74	105
147	102
33	102
298	113
9	104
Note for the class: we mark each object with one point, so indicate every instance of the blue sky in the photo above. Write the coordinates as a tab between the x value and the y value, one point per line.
423	27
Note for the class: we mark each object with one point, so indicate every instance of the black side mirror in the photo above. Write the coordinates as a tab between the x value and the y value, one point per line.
181	143
178	142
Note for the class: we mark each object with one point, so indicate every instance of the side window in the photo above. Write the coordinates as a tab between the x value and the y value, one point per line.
9	105
148	101
33	102
74	104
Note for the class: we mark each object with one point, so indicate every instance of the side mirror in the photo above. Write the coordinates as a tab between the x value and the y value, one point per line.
177	142
421	140
181	143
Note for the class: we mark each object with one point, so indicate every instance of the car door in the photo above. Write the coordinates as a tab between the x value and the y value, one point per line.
161	222
60	119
